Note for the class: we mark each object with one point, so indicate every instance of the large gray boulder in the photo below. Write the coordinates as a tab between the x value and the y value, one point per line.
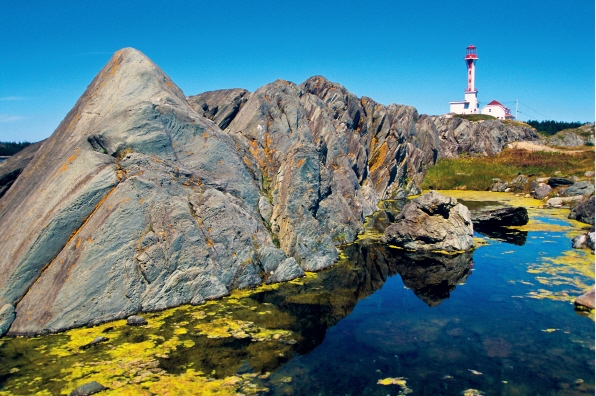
432	222
583	211
580	188
500	217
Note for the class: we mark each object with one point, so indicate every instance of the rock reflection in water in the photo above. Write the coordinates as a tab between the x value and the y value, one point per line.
508	235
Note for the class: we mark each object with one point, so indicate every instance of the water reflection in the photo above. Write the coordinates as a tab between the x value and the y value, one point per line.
508	235
256	333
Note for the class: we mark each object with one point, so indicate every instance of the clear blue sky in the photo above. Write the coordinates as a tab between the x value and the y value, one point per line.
410	52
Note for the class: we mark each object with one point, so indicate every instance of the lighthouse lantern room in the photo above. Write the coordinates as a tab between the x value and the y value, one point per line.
470	104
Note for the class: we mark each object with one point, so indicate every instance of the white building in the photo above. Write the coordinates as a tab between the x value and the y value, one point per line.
497	110
470	104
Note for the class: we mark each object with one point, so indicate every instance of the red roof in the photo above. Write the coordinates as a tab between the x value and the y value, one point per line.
494	103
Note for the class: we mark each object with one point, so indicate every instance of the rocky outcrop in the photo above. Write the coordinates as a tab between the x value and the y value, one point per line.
581	136
432	222
583	211
501	217
144	199
485	137
219	106
135	203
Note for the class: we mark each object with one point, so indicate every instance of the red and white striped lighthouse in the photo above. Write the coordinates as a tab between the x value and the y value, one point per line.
471	59
470	104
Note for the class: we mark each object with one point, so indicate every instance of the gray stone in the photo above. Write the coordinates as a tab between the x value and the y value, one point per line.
90	388
580	188
286	270
136	320
543	191
584	241
583	211
500	217
589	174
432	222
265	209
564	201
559	181
96	340
586	300
499	186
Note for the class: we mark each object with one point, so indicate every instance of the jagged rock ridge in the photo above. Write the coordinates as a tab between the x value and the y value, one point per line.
139	201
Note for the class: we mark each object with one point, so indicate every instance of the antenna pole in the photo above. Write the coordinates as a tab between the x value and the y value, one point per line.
516	102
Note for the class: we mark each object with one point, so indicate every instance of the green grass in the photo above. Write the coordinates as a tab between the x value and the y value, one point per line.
475	117
476	173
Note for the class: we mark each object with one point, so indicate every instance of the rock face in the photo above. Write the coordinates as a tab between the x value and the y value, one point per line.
583	211
480	138
135	203
144	199
430	223
500	217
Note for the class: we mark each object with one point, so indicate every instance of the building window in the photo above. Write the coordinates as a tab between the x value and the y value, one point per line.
489	110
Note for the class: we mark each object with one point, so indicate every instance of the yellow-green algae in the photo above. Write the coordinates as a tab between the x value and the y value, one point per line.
131	360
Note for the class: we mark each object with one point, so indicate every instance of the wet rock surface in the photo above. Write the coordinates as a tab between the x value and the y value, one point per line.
586	300
432	222
88	389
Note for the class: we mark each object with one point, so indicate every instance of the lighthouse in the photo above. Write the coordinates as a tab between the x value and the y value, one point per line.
470	104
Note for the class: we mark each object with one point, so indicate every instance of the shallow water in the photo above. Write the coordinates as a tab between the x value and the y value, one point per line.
498	320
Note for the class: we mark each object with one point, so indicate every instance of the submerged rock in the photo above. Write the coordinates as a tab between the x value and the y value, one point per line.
585	301
90	388
432	222
500	217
